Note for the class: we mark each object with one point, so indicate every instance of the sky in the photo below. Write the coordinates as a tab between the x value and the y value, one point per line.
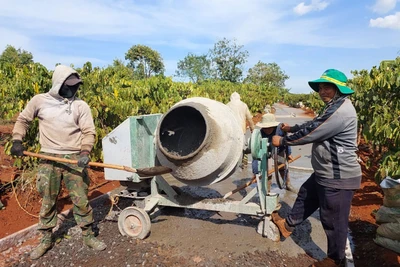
303	37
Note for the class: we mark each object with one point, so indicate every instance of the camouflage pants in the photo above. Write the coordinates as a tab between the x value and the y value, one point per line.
48	185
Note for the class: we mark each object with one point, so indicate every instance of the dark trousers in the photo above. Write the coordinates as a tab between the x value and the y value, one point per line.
334	209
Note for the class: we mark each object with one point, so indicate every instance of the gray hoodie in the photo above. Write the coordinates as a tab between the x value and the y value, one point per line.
65	125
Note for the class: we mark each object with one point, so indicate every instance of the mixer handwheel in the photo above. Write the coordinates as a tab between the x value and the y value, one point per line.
134	222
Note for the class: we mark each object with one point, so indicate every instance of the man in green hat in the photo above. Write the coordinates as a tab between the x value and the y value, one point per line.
337	174
269	127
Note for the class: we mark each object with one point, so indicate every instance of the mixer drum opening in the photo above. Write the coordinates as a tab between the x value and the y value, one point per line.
182	132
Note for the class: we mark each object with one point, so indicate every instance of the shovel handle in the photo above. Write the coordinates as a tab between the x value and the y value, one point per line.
71	161
252	181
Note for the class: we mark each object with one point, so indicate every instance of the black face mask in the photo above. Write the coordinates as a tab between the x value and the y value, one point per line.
67	91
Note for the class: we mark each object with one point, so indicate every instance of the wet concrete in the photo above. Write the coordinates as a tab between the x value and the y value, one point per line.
232	233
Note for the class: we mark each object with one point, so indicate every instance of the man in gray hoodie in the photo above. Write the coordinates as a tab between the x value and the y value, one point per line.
66	130
337	173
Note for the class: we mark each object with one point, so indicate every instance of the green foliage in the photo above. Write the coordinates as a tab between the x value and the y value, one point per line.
267	73
16	56
311	100
114	93
377	101
19	84
196	68
292	99
227	60
144	61
314	102
256	97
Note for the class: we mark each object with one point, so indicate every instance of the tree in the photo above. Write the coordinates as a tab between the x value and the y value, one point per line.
144	61
16	56
197	68
269	74
227	60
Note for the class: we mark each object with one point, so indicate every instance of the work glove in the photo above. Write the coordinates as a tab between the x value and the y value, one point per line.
17	148
84	159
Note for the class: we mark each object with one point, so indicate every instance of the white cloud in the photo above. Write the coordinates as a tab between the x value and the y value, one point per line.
384	6
49	60
391	22
72	18
172	22
10	37
316	5
182	26
196	48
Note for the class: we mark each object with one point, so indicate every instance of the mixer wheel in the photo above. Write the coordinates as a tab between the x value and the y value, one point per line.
134	222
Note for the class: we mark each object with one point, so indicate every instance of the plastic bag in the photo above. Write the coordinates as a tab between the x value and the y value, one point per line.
388	243
389	230
387	215
391	192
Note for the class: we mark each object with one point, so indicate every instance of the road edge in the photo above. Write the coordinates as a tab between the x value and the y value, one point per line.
31	231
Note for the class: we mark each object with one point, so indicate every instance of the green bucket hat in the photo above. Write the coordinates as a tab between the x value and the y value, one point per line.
332	76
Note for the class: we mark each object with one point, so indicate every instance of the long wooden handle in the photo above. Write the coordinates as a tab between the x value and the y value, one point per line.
71	161
252	181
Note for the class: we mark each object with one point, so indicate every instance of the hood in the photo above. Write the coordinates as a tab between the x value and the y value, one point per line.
235	97
60	74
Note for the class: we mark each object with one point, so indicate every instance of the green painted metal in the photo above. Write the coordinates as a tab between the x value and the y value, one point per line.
142	134
264	167
271	201
131	144
255	144
259	150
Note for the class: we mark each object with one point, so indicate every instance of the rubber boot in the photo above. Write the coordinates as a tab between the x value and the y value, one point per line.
281	223
46	243
92	242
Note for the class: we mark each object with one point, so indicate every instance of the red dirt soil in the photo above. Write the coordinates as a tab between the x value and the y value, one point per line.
22	207
17	216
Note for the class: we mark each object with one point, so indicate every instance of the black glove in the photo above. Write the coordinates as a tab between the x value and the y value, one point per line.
17	148
84	159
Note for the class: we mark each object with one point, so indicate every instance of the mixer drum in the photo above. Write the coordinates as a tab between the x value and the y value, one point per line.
200	140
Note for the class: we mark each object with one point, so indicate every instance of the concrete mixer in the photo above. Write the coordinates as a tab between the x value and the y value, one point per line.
200	140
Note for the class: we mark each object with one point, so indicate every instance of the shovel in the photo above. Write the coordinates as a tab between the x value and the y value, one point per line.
142	172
